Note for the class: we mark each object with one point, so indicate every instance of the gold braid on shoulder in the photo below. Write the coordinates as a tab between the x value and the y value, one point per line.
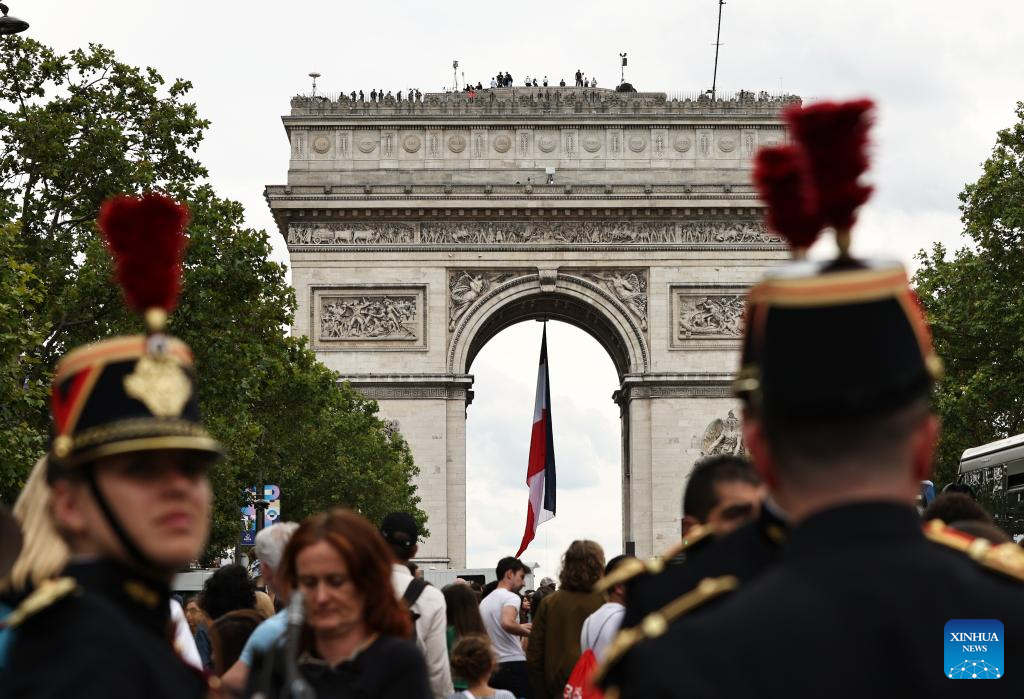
1007	558
656	623
634	567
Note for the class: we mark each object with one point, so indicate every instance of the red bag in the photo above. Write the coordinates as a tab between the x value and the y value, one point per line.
579	685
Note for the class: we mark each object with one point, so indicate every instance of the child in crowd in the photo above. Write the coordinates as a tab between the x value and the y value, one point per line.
473	661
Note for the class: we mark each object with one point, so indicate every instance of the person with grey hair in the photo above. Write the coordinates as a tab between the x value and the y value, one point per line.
269	548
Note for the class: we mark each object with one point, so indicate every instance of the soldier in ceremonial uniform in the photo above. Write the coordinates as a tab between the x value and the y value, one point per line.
708	550
836	374
130	495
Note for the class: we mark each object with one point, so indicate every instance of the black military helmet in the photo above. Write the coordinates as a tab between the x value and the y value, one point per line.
135	393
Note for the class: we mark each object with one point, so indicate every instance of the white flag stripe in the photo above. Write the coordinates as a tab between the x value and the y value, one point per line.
542	393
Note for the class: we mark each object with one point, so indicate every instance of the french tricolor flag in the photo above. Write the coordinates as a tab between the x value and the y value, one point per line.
540	471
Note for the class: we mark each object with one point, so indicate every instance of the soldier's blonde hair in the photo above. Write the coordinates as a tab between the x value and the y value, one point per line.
43	552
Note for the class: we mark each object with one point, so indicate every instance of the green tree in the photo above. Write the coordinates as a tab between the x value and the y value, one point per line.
75	129
974	299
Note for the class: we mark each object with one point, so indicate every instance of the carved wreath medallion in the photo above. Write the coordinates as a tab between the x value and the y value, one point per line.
637	144
412	143
321	144
591	144
457	143
367	146
682	144
727	144
546	143
502	143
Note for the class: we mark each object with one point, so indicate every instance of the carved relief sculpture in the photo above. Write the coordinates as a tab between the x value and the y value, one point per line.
710	316
748	145
350	234
321	144
715	233
367	317
628	286
723	437
467	286
704	144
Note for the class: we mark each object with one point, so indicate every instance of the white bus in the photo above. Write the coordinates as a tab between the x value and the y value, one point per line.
995	466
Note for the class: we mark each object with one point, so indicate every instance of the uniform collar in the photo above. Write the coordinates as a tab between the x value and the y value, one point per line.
853	525
142	598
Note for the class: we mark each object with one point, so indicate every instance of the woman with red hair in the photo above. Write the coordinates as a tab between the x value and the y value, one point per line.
355	638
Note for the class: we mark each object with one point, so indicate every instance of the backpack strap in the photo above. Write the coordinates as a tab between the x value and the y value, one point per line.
413	591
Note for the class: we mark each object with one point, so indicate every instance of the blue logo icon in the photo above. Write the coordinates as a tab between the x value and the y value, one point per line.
974	649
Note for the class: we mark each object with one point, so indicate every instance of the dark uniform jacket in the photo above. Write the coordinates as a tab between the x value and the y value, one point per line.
857	607
744	552
108	636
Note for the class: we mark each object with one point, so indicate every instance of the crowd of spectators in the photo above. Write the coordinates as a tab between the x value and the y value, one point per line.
372	625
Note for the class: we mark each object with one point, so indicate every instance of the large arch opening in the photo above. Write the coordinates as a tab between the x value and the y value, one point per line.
586	363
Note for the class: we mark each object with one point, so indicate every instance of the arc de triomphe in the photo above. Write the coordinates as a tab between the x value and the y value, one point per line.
420	229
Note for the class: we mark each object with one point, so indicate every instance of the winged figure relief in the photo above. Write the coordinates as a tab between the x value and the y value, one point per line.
723	437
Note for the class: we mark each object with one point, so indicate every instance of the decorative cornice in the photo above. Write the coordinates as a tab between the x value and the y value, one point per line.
642	386
412	386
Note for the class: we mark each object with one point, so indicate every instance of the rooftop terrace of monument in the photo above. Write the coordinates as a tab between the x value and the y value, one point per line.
556	102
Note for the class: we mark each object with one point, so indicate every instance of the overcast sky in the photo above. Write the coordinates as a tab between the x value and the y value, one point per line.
945	75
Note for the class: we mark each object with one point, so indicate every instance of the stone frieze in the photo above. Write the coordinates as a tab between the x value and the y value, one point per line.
704	233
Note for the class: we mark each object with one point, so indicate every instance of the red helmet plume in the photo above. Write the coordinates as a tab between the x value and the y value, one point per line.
146	237
834	136
783	179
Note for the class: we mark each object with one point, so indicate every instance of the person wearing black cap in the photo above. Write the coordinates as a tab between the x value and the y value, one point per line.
425	602
130	495
836	371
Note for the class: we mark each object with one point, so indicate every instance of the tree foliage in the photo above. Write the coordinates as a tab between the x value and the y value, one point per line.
974	298
75	129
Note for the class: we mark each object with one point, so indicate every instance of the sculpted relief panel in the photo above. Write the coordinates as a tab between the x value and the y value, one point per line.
706	317
627	286
717	234
368	317
467	286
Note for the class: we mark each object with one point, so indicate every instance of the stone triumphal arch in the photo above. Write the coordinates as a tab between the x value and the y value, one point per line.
420	229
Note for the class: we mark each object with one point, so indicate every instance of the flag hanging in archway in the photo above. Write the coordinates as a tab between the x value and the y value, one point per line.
540	469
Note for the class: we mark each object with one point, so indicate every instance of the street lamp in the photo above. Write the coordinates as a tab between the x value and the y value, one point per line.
11	25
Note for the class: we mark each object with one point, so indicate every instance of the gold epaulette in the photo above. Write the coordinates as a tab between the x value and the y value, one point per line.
48	592
629	569
656	623
1007	558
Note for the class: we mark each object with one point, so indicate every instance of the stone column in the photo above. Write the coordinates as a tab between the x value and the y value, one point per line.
670	417
430	411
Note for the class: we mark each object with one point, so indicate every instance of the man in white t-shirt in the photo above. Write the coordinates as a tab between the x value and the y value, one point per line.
500	612
599	628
